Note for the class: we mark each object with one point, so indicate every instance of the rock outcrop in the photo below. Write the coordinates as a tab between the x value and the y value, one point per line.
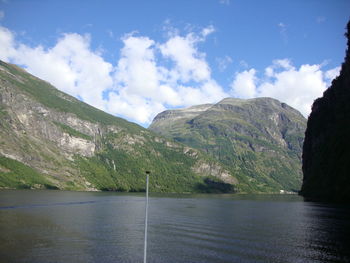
326	151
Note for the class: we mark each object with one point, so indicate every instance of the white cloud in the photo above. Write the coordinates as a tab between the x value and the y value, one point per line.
283	31
332	73
190	63
150	76
207	31
213	91
140	82
243	64
224	62
137	86
134	107
281	80
244	85
70	65
224	2
278	65
138	93
7	44
136	69
296	87
209	92
282	63
269	72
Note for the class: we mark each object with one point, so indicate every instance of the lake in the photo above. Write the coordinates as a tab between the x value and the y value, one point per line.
63	226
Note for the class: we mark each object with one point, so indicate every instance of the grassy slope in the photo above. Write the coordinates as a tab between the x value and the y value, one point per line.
117	165
14	174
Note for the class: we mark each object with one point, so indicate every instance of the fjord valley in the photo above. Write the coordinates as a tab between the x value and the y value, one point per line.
52	140
174	131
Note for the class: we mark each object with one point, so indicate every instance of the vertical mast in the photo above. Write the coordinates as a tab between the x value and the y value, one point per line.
146	218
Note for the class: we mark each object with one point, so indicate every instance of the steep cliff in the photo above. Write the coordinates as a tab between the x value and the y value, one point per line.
326	151
49	139
260	140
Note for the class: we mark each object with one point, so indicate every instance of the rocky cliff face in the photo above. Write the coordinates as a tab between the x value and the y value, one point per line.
51	140
260	140
326	151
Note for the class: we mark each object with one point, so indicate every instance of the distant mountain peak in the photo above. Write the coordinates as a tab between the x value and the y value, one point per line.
260	139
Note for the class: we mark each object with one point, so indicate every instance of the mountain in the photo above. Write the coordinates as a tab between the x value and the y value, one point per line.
258	140
49	139
326	151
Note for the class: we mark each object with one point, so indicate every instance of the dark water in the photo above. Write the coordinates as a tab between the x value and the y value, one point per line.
58	226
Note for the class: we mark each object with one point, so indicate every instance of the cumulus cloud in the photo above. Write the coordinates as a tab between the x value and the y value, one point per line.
137	70
7	44
298	87
137	86
138	92
151	76
190	64
70	65
143	88
243	85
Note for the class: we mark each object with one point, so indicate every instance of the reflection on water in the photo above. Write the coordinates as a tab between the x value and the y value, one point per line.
58	226
327	231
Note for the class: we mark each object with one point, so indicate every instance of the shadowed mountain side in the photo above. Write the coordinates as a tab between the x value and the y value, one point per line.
326	151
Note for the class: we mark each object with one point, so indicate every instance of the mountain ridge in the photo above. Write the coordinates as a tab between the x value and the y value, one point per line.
240	134
52	140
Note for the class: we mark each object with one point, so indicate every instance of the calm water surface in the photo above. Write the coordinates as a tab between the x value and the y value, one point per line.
60	226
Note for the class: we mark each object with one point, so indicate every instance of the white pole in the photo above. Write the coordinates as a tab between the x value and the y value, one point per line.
146	219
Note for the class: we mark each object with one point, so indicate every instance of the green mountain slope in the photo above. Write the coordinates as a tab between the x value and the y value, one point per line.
259	140
49	139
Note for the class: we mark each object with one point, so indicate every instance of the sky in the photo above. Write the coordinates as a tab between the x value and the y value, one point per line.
135	59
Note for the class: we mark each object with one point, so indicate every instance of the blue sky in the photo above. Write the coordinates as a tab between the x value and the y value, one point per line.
134	58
